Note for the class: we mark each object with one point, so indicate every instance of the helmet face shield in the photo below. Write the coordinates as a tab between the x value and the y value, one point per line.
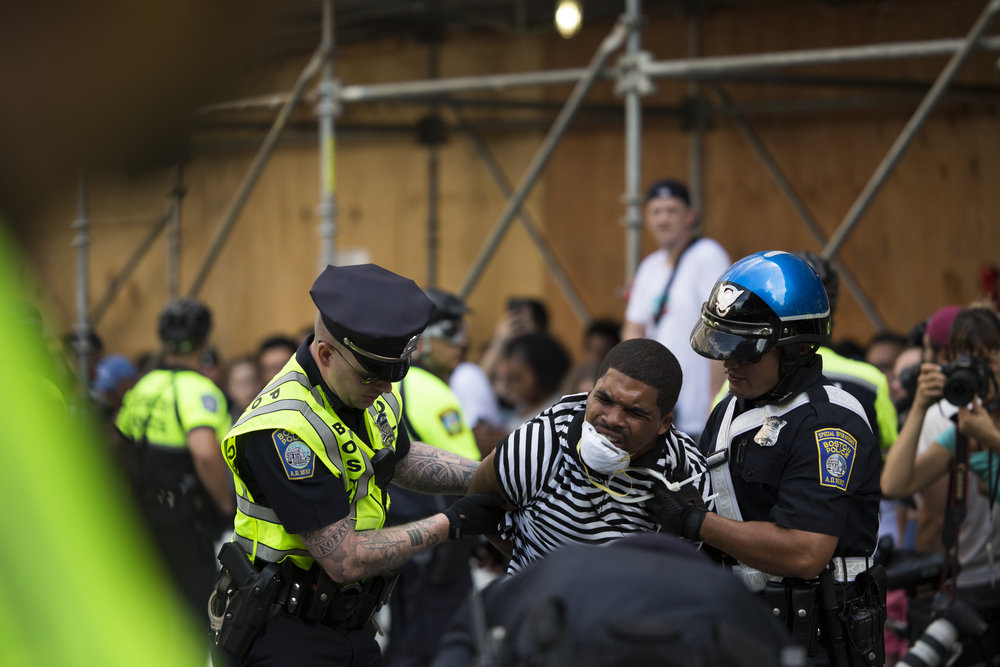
764	300
726	341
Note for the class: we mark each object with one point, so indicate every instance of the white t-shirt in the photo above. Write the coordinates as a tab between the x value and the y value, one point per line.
699	269
980	527
475	394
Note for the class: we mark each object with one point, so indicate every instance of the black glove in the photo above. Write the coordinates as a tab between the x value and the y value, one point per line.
676	514
477	514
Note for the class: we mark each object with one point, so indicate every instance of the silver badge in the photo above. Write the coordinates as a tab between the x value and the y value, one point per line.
767	436
388	437
726	297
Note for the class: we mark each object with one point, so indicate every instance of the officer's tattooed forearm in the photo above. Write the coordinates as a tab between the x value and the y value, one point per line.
432	470
348	555
327	542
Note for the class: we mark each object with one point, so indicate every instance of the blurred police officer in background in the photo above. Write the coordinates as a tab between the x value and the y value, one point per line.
797	514
171	423
311	561
436	582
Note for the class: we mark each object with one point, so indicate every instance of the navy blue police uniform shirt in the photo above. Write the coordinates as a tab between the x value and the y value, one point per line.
785	482
302	504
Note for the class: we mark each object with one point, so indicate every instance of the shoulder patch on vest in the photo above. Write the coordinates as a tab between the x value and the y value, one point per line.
836	448
298	459
451	421
209	402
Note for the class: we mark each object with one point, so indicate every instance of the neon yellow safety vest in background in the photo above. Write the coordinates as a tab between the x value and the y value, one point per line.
434	413
292	403
166	404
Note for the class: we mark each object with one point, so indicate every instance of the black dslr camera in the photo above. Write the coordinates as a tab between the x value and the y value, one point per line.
966	377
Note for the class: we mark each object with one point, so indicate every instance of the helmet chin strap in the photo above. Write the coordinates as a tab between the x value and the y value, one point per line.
792	359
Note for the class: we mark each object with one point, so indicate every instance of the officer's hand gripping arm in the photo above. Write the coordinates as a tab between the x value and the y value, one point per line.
676	513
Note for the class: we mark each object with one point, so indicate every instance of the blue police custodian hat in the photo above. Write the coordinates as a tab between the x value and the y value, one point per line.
377	314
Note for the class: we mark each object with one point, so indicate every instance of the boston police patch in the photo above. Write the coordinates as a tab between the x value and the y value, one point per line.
837	448
298	459
451	421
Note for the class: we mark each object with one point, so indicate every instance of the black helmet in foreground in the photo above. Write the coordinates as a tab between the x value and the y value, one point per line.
183	325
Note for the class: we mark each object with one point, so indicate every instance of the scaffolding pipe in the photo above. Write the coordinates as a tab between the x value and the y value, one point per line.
637	85
610	43
681	68
433	175
81	240
697	147
246	187
771	165
174	236
555	268
326	110
133	261
910	130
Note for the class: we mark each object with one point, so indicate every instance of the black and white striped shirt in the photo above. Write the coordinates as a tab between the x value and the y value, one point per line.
539	470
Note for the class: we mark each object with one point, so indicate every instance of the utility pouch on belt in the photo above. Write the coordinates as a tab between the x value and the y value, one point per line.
802	615
794	604
865	619
243	600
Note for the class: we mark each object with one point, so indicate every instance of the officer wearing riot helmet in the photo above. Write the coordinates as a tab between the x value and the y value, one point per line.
312	457
795	463
171	423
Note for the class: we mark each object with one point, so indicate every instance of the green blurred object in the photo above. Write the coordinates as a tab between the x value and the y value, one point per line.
80	585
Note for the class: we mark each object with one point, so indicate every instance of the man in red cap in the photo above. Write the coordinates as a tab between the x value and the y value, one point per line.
937	333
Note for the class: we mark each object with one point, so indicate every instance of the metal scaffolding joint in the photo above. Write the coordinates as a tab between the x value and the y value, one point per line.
633	74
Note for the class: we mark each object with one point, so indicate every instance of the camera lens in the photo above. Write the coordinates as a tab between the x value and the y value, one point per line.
960	387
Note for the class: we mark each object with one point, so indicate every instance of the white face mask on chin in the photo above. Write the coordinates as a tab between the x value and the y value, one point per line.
599	453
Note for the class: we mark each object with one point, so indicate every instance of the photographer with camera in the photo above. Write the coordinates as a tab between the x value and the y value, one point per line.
970	389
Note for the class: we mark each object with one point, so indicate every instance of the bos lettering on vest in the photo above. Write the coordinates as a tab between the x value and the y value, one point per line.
352	465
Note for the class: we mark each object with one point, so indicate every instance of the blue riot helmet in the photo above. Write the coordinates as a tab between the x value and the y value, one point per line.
765	300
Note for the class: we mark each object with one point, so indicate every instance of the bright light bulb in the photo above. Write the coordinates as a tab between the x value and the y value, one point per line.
568	17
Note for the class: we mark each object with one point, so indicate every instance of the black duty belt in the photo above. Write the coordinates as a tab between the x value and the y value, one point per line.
312	595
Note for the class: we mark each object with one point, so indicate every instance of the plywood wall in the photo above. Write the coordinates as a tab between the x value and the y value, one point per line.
920	244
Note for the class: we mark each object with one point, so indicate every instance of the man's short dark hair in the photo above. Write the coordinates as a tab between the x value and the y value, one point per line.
649	362
975	331
277	341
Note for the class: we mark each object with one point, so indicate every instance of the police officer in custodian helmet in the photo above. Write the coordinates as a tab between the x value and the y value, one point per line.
796	463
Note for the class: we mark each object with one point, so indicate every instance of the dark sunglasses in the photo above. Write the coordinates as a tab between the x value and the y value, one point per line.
365	379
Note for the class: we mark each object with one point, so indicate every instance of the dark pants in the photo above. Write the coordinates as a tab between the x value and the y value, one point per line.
287	640
187	556
422	604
